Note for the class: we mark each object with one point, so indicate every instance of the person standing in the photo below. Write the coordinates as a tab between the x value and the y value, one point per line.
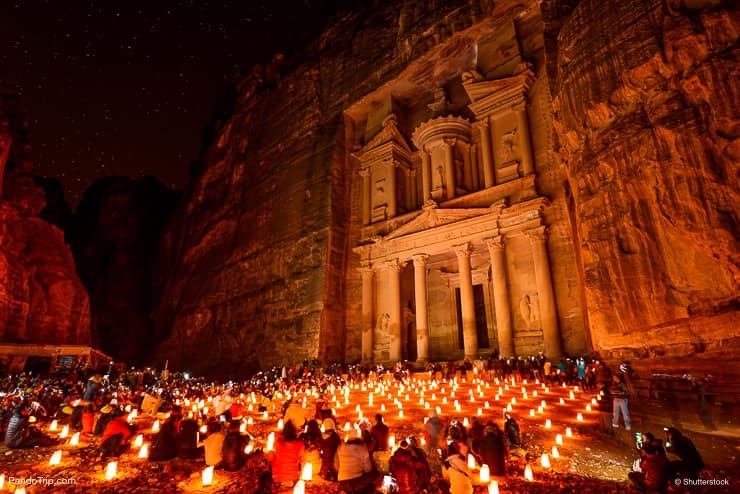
620	402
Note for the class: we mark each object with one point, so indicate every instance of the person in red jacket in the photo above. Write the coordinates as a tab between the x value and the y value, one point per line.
116	435
286	468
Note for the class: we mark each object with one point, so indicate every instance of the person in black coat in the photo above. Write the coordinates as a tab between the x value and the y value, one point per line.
690	462
511	429
164	446
233	448
493	449
187	440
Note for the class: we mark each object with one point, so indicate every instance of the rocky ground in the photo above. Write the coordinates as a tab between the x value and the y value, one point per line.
593	461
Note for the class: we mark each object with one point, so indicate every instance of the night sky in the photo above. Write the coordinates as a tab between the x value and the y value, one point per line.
117	87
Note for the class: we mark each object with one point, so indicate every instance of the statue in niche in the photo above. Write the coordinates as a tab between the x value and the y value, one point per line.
384	322
510	143
528	311
441	175
379	192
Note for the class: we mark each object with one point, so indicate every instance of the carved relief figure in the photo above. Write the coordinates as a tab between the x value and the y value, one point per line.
384	321
510	143
529	312
379	198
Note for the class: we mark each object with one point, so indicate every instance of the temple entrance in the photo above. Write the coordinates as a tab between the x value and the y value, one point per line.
481	322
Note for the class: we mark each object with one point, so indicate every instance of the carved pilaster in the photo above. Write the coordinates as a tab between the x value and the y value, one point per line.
393	305
546	296
420	296
367	312
487	152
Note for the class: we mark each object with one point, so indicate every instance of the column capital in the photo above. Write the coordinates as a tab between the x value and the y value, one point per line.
366	267
462	251
420	260
495	243
537	234
450	141
484	123
394	265
363	172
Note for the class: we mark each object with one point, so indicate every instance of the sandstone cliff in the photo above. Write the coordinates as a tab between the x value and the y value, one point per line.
114	237
633	120
41	297
646	111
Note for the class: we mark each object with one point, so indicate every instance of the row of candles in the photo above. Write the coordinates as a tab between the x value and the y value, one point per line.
378	388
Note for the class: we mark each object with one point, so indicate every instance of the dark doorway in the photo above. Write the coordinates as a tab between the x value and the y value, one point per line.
481	323
38	365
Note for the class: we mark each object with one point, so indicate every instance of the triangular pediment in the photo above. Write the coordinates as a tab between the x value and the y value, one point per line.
389	134
432	217
486	96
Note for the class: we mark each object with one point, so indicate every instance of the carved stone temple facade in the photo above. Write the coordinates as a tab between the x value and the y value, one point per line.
453	243
453	179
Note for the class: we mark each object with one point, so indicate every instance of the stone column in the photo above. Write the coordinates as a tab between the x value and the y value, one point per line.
393	303
426	175
487	153
467	302
501	296
367	313
367	198
413	203
548	313
525	146
474	166
422	320
449	149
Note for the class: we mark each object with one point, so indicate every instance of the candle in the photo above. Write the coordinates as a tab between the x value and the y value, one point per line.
568	432
548	424
299	488
493	487
270	442
52	427
2	480
110	470
579	417
139	440
64	433
248	449
144	451
485	473
562	401
56	458
75	439
559	439
155	426
471	461
528	473
307	472
243	428
555	452
531	412
392	441
207	476
571	395
545	460
588	407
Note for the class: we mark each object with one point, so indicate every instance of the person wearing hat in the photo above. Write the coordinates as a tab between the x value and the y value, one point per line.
620	402
329	444
103	419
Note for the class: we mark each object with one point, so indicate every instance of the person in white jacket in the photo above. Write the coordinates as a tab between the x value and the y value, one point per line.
455	470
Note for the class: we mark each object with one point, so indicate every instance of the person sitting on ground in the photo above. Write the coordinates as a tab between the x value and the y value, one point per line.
455	470
20	434
493	449
423	470
312	447
164	446
187	440
354	467
295	413
379	431
103	419
330	442
654	473
403	469
287	458
690	463
116	435
511	430
213	444
233	448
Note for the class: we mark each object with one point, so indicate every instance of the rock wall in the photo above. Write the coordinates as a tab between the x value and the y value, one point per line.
41	297
646	108
114	237
633	120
